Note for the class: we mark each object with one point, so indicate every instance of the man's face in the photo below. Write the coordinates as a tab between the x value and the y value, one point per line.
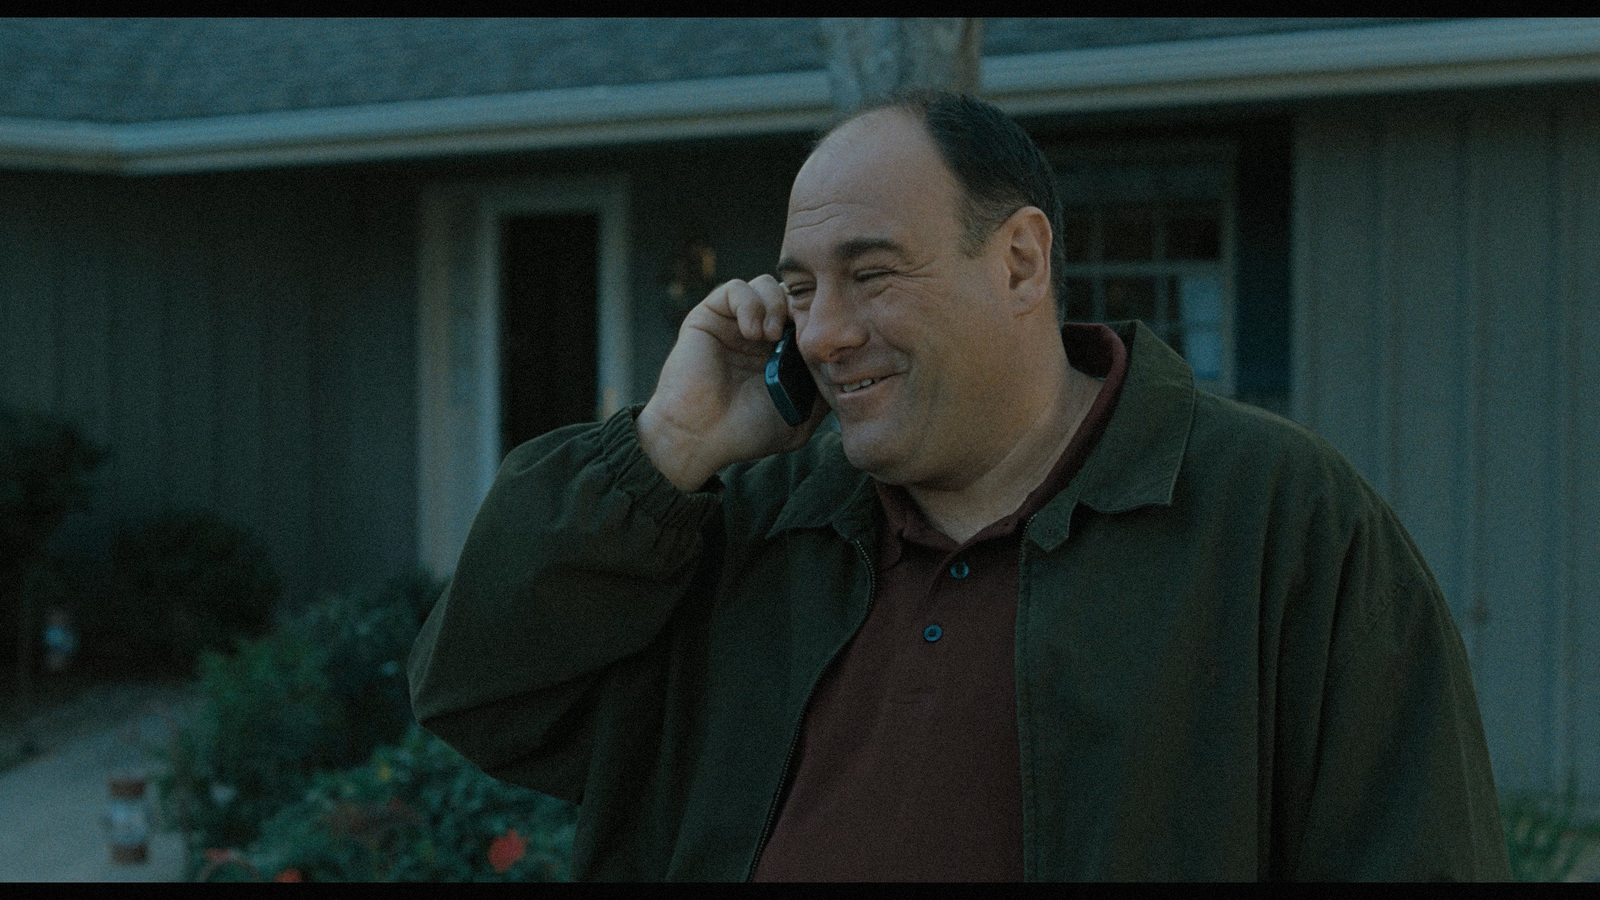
881	290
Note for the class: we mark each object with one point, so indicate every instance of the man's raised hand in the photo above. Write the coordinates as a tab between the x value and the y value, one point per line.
711	406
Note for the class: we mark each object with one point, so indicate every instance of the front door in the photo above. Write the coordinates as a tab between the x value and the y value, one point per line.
549	284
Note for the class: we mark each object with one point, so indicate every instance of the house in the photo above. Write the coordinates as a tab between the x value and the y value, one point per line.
319	275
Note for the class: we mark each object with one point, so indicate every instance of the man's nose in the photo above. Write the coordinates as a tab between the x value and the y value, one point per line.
831	327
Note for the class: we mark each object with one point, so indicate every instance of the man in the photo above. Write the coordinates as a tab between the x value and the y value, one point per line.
1039	609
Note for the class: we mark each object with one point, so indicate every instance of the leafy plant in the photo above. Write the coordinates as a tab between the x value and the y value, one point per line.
184	584
1544	838
367	636
263	732
417	812
45	469
44	475
319	693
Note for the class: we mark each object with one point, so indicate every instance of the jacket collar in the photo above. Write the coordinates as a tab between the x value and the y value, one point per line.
1135	463
834	493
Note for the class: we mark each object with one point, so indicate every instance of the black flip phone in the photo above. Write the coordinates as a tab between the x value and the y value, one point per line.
789	381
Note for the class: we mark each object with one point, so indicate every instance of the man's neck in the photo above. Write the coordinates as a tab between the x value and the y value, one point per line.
999	491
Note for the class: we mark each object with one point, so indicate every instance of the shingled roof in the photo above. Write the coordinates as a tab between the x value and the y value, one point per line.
150	70
192	95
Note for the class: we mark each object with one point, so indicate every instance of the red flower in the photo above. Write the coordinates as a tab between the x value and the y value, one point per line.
506	849
287	875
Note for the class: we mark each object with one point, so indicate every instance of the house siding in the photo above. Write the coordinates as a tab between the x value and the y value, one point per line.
242	344
247	343
1446	295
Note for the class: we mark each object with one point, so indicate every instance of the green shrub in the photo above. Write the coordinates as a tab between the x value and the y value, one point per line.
319	693
185	584
263	731
306	753
368	635
1544	838
45	468
44	475
417	812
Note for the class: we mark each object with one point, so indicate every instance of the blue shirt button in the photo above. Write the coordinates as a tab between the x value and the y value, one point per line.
959	570
932	633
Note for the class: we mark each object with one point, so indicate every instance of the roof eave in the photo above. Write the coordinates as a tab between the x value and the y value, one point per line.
570	117
1481	53
1293	65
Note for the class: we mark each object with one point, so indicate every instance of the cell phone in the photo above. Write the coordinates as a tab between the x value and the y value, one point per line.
789	381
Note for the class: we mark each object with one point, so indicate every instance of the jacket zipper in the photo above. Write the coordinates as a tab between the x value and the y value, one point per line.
794	736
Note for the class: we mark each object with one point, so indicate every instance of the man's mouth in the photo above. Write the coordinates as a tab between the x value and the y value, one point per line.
856	385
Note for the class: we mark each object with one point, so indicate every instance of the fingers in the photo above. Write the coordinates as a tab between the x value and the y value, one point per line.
760	306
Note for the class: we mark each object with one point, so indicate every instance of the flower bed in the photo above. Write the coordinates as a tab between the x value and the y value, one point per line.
304	763
417	811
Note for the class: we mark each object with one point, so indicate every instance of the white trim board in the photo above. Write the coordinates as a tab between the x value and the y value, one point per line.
458	339
1286	65
1299	64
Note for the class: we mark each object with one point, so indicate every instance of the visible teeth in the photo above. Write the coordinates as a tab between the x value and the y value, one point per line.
857	386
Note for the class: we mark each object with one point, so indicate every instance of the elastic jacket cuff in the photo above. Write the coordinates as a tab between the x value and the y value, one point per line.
631	470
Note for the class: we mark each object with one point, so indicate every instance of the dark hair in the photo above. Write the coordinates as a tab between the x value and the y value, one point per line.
998	166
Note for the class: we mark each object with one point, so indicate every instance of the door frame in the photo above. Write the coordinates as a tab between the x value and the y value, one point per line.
458	337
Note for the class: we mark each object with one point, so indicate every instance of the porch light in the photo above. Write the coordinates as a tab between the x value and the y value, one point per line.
693	275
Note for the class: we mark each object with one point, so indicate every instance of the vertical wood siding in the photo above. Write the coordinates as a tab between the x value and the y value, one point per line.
1447	298
1578	160
242	344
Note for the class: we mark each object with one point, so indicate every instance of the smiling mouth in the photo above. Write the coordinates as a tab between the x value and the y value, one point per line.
856	385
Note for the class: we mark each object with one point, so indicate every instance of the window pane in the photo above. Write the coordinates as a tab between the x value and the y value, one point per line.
1200	299
1145	235
1130	298
1075	233
1080	300
1172	301
1129	234
1203	349
1192	235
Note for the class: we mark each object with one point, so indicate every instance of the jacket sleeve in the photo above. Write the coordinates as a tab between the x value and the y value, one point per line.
575	562
1395	779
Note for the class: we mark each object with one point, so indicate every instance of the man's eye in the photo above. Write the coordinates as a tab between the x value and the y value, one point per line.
800	294
869	274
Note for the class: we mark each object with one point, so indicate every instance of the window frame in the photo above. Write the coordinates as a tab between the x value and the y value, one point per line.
1221	154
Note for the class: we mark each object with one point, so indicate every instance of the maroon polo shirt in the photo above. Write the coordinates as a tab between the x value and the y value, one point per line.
908	767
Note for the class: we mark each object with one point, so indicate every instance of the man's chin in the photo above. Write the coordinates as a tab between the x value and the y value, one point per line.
871	453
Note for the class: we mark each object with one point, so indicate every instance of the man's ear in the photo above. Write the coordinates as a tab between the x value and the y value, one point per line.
1027	235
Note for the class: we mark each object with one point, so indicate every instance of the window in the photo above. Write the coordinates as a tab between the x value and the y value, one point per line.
1149	235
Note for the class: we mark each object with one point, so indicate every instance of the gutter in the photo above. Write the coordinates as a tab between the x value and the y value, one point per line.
1477	53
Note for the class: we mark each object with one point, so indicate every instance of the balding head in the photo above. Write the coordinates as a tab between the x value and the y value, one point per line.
995	164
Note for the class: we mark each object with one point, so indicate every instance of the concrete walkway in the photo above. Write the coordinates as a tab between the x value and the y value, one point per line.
52	807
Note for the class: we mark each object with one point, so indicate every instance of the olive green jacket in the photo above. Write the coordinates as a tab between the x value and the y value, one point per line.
1231	660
